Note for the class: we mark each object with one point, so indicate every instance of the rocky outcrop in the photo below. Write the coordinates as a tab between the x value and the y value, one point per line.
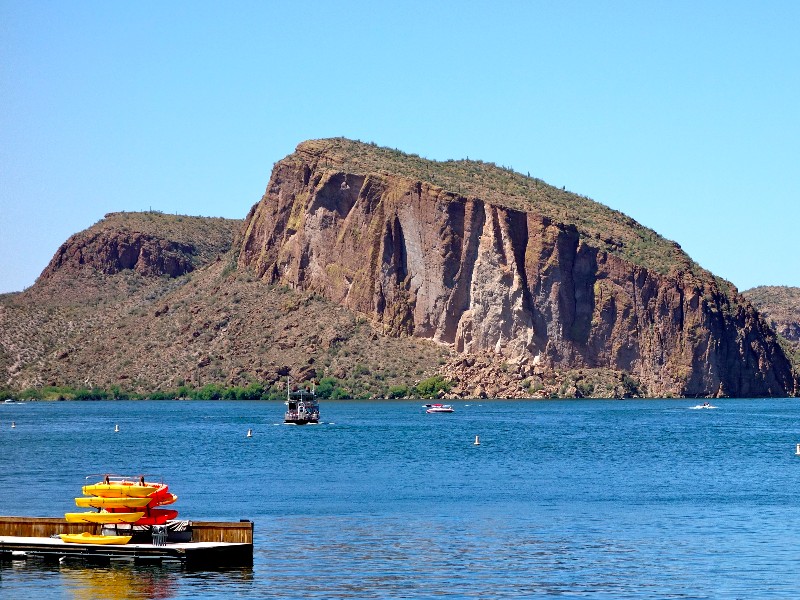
780	305
504	277
111	254
150	244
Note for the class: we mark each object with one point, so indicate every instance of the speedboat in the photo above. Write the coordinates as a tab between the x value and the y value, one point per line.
439	408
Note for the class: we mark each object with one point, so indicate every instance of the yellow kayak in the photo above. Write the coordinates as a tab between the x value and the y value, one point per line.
118	489
103	517
88	538
98	502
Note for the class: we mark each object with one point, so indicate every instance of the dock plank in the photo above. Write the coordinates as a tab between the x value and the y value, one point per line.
214	544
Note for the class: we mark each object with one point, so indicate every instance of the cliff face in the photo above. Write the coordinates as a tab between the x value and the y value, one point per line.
135	251
504	277
780	306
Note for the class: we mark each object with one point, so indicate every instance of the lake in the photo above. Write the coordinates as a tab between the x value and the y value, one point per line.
572	498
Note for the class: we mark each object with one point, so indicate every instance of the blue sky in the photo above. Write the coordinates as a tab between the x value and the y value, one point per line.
683	115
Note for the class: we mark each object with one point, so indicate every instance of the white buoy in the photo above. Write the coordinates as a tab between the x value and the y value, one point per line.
477	441
116	428
797	450
249	433
13	425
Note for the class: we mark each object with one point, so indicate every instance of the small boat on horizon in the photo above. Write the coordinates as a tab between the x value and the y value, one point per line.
439	408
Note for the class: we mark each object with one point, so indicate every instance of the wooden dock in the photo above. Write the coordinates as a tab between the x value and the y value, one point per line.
212	545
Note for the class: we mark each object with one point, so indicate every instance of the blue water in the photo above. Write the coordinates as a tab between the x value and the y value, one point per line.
607	499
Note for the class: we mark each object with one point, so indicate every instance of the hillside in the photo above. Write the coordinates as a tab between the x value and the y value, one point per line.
780	305
384	274
95	320
531	279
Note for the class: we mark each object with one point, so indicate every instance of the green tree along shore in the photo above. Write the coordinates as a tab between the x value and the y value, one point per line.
327	388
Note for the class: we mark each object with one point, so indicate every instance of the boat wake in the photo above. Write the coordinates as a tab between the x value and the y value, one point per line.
701	406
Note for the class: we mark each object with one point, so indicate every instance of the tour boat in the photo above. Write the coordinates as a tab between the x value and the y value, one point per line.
302	407
439	408
88	538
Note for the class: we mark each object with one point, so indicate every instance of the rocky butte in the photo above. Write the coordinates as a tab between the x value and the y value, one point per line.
372	270
519	278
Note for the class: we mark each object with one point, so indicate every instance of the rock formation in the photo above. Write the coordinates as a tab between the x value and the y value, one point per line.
126	242
780	306
402	269
543	278
108	314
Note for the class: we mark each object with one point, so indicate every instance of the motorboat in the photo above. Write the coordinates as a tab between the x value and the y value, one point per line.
439	408
704	405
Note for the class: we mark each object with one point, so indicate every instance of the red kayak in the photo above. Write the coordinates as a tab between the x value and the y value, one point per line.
157	516
161	499
152	516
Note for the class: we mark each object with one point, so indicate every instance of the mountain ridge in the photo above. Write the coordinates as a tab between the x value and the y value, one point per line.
355	223
373	269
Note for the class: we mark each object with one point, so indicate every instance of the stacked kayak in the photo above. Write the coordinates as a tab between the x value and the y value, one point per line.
89	538
121	501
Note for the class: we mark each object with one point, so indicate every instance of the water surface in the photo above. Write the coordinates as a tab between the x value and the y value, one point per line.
616	499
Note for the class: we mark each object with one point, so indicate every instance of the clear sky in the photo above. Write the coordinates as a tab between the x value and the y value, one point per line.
684	115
